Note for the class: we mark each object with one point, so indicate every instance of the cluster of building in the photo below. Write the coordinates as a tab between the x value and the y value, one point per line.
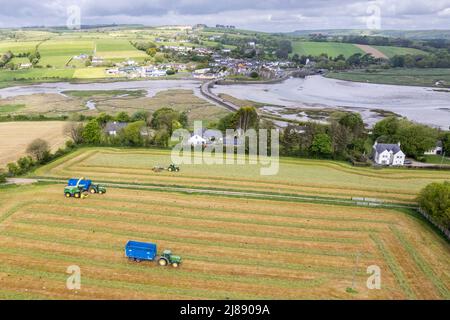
245	67
150	71
187	49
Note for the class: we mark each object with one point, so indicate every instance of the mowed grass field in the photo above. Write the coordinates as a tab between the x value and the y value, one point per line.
296	176
16	136
232	247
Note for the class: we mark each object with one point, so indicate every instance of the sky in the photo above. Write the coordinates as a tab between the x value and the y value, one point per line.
262	15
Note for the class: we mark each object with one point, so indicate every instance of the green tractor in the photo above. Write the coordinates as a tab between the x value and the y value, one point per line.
173	168
74	191
97	188
168	258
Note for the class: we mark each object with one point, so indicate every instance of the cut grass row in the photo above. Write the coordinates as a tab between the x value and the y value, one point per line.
422	264
394	267
94	230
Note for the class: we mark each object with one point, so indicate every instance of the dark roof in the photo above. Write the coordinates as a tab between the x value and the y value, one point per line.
115	126
381	147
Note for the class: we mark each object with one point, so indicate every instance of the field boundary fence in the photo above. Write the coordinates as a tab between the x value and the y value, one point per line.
444	230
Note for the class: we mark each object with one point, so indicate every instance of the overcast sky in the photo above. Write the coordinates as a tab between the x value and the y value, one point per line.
264	15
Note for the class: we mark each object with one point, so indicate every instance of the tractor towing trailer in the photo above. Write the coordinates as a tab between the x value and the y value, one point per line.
86	186
141	251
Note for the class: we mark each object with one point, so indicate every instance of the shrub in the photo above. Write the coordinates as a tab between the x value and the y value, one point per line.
435	200
39	149
2	177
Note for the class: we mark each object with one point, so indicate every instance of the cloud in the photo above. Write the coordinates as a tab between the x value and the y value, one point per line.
266	15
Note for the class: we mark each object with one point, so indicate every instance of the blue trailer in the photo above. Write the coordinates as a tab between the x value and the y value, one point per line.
139	251
84	185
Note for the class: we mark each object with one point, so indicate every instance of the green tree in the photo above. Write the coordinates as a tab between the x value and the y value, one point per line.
92	132
184	119
13	169
164	119
446	143
247	118
321	145
416	138
141	115
122	117
387	129
289	140
230	121
131	134
103	118
162	138
435	200
2	176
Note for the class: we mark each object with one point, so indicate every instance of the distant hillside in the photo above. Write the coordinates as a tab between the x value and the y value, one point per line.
407	34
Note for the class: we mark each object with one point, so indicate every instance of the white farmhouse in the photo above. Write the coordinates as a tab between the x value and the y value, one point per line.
196	140
388	154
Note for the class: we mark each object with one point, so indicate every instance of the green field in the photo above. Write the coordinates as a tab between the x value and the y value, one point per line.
399	76
392	51
58	53
234	245
333	49
437	159
17	47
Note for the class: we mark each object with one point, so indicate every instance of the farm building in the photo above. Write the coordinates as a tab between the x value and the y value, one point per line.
437	150
388	154
112	128
196	140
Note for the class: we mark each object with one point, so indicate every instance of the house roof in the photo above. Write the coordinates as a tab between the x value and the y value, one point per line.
115	126
381	147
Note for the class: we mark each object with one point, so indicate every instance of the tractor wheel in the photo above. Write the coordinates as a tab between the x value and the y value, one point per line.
77	195
100	192
175	265
162	262
67	194
92	191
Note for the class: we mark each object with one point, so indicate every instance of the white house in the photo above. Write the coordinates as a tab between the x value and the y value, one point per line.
437	150
388	154
196	140
113	128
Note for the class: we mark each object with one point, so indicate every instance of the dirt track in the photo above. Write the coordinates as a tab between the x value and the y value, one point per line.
374	52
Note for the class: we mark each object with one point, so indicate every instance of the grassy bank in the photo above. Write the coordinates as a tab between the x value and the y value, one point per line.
399	76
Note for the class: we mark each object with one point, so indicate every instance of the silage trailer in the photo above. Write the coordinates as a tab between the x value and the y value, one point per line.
141	251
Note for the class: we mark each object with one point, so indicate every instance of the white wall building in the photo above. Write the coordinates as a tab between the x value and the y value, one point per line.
388	154
196	140
437	150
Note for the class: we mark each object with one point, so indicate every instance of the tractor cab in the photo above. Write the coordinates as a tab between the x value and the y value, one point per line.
97	188
168	258
173	168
